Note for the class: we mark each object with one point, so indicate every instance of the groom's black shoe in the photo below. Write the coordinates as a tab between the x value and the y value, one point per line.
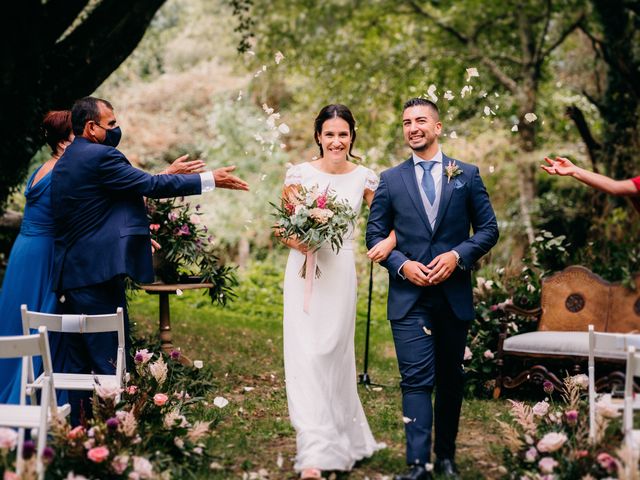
417	472
447	468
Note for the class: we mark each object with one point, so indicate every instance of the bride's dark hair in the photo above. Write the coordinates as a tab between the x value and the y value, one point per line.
336	110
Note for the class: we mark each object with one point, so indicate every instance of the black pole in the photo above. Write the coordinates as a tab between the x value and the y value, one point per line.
364	376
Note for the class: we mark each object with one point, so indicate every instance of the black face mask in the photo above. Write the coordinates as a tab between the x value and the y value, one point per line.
112	138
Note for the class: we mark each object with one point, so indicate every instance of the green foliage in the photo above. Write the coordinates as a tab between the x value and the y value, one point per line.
185	249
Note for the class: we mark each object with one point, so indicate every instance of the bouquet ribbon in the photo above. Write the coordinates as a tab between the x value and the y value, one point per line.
310	273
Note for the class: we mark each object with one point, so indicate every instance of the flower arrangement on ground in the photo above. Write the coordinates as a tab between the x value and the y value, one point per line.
186	251
313	217
550	440
149	429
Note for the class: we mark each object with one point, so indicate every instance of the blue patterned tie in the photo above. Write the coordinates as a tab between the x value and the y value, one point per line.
428	184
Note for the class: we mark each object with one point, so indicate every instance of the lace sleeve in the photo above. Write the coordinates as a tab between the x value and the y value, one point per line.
293	176
372	181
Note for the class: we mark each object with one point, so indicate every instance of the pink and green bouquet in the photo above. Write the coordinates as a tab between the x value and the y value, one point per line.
313	216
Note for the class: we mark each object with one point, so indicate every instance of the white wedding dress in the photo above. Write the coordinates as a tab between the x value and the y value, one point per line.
319	358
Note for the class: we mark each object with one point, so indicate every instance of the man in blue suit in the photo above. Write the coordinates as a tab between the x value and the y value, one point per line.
102	231
431	201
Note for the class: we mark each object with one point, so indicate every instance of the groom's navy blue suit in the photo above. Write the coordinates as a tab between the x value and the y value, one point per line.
102	236
430	324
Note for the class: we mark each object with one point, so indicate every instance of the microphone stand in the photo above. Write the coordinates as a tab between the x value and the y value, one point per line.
364	377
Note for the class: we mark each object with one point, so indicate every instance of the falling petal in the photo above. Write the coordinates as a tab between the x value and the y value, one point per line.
280	460
406	420
466	90
248	389
487	111
472	72
453	135
448	95
279	57
530	117
431	91
179	292
492	169
377	389
283	128
263	177
514	128
220	402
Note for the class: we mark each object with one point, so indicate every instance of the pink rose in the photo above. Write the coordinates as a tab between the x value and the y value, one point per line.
132	390
98	454
607	462
551	442
540	409
76	433
160	399
154	227
547	464
531	455
488	354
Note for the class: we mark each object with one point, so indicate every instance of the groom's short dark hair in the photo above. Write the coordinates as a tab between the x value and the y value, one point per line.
414	102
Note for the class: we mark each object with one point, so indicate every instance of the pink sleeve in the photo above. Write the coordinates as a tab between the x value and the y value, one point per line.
636	182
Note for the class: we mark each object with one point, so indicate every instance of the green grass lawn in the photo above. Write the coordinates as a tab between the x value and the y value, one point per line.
241	346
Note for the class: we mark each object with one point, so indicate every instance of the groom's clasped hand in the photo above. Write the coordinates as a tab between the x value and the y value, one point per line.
437	271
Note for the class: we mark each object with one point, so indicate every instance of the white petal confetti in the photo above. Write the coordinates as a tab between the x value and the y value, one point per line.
431	91
448	95
198	364
406	420
487	111
466	90
514	128
530	117
377	389
248	389
283	128
280	460
453	135
472	72
179	292
279	57
220	402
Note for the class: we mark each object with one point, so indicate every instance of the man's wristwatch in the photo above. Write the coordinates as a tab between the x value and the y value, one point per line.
458	260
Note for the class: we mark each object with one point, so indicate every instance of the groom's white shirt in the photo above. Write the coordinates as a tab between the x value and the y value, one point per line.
436	173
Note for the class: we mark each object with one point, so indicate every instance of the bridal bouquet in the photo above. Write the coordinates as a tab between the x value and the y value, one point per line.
313	216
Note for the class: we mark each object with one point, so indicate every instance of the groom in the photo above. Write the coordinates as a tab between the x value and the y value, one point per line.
431	201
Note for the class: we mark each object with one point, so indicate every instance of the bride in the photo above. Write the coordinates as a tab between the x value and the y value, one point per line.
332	432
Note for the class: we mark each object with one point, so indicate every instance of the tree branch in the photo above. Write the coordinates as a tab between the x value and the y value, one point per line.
58	16
593	147
99	45
545	30
447	28
563	36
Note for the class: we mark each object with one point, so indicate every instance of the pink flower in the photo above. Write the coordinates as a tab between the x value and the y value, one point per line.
98	454
571	416
154	227
76	433
552	441
184	230
531	455
142	468
195	219
582	453
548	387
322	201
8	475
540	409
547	464
160	399
488	354
172	216
607	462
132	389
467	354
120	464
142	356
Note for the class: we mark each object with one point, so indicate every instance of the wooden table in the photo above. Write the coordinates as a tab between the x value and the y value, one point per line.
163	290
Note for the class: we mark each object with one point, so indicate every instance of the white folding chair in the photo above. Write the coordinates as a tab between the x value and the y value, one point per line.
32	416
631	435
606	346
113	322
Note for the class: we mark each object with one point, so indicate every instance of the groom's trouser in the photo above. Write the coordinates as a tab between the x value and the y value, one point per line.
430	342
92	352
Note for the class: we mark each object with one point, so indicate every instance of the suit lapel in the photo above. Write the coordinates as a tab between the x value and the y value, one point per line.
445	194
409	177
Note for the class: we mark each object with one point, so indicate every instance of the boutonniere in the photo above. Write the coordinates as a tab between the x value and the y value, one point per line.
452	170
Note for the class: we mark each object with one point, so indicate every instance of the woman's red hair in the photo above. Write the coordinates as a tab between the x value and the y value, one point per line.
57	127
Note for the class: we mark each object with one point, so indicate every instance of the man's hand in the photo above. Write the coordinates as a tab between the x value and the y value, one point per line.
155	246
181	165
560	166
441	268
224	179
416	273
380	251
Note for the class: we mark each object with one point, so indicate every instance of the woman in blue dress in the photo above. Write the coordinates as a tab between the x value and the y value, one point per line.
28	276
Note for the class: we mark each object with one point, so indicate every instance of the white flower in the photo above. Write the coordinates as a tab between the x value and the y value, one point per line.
8	438
580	380
552	441
159	371
530	117
606	409
540	409
198	364
472	72
279	57
142	467
321	215
220	402
467	354
431	92
108	390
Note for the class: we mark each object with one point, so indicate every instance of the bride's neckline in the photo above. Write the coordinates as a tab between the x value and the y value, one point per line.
333	174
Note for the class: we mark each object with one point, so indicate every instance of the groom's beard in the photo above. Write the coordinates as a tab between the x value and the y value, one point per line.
425	146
